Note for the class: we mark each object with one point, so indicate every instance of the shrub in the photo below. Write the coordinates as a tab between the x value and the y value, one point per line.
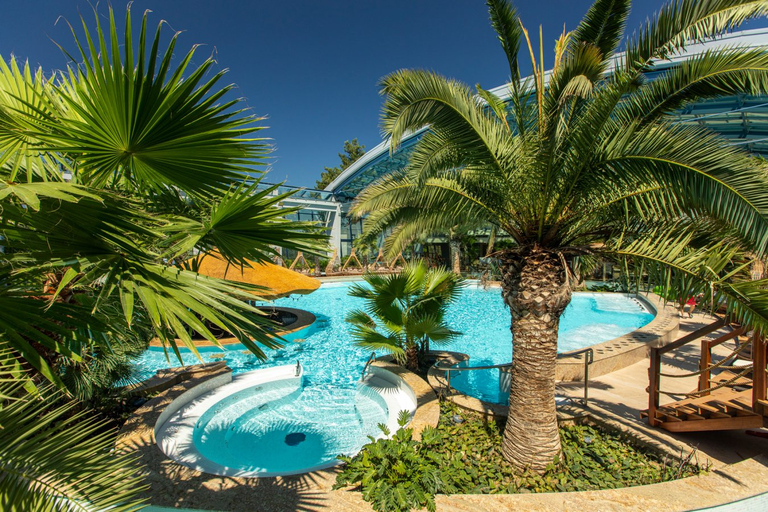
462	456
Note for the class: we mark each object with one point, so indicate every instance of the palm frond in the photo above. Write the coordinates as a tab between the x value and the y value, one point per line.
712	74
24	105
603	25
703	170
245	224
142	122
682	22
54	458
505	22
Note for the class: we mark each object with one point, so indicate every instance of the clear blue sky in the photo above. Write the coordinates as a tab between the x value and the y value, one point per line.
312	67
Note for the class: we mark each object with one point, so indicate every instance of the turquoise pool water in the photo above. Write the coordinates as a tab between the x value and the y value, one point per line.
333	365
277	428
589	319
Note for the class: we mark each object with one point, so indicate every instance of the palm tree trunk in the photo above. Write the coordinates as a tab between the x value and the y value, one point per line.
455	246
412	357
536	289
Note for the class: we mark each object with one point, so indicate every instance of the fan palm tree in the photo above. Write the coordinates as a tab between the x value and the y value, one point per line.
160	171
162	167
54	457
410	308
583	163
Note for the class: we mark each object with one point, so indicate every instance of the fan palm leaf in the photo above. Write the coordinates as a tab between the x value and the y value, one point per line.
53	458
161	170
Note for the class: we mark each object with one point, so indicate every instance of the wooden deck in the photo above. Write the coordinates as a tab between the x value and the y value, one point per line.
728	400
724	409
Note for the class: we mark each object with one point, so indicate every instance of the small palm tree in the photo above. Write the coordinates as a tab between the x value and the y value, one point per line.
582	164
409	307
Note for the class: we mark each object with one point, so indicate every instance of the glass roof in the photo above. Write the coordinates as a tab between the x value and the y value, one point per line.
381	165
300	192
742	119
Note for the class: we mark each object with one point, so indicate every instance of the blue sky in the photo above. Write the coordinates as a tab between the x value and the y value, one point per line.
312	67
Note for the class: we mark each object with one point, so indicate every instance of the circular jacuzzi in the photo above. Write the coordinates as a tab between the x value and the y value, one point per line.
267	423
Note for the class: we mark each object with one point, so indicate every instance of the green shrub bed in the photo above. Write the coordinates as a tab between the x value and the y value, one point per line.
462	455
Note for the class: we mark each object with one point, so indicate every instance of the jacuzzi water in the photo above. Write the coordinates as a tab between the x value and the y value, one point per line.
277	428
333	364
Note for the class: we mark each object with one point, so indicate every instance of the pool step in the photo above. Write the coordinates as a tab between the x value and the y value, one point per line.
243	422
393	395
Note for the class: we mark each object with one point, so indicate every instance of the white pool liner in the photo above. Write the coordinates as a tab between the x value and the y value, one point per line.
175	428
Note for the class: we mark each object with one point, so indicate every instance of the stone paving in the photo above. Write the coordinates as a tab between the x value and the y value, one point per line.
739	462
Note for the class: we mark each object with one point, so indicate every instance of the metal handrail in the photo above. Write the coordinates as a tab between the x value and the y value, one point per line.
449	369
588	360
466	368
298	368
367	364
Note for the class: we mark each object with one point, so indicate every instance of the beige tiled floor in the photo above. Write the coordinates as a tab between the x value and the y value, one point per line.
738	470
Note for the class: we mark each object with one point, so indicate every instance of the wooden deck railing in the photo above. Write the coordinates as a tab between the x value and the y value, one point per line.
706	355
759	380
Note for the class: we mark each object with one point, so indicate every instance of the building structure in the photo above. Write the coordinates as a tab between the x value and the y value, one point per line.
742	119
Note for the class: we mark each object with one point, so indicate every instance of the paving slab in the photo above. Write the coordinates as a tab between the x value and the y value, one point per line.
739	462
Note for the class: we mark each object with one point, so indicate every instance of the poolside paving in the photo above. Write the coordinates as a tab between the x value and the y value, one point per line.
621	394
739	462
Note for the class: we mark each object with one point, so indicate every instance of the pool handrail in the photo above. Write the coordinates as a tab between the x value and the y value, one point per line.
367	364
448	369
588	360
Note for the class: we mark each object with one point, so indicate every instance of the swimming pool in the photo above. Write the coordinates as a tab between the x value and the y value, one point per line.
589	319
333	364
266	423
329	358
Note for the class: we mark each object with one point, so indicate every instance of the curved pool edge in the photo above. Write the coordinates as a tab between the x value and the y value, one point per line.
609	356
301	328
626	350
137	436
175	439
427	412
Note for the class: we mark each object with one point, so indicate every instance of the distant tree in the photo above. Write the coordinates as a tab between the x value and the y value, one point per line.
352	151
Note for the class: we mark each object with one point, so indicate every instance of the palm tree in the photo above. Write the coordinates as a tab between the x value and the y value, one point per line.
582	164
162	167
160	171
54	457
409	307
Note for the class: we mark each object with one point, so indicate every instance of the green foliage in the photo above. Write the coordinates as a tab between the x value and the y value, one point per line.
610	286
161	169
396	474
465	458
590	164
54	458
352	151
409	307
163	166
